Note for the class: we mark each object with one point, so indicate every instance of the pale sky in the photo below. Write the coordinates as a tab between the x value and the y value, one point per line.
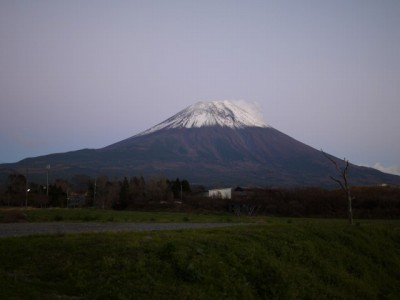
85	74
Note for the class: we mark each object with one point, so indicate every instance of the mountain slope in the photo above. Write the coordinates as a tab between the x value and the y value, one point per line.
249	155
210	143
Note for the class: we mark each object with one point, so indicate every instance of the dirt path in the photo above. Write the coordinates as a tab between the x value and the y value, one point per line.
23	229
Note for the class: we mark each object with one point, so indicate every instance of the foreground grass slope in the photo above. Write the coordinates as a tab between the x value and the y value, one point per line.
281	259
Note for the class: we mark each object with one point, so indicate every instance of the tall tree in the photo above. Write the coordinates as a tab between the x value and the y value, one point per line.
101	190
158	190
122	202
342	180
137	188
176	187
17	188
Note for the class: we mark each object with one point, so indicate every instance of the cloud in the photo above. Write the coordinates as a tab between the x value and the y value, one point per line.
253	108
389	169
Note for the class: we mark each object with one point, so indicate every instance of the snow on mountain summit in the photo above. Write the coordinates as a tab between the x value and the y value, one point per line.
224	113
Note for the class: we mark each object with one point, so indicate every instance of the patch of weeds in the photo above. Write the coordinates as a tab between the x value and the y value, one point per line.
199	251
15	217
60	232
88	218
188	273
167	251
58	218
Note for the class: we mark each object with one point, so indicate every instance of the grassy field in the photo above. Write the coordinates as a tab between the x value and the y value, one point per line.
278	259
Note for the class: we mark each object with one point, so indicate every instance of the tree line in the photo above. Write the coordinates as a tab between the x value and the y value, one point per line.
136	193
101	192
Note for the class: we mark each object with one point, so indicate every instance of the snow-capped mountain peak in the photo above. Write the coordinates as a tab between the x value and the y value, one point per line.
224	113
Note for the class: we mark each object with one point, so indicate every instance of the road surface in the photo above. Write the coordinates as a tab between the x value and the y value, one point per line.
23	229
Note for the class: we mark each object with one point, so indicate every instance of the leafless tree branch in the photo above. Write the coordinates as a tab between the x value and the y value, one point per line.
343	183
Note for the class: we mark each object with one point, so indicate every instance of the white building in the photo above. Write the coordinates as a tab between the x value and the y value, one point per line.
220	193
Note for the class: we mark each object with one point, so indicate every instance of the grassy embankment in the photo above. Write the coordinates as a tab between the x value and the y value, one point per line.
279	259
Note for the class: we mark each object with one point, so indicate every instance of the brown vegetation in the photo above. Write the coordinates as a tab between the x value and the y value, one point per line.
368	202
159	194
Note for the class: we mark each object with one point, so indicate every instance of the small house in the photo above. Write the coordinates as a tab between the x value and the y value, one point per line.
220	193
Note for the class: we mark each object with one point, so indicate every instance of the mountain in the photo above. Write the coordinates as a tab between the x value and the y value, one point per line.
209	114
209	143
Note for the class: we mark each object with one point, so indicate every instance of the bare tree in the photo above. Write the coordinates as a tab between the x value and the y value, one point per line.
343	182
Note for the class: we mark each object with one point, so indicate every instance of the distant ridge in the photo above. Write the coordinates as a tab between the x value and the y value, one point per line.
209	143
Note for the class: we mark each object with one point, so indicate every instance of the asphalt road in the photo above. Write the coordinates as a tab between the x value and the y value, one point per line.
24	229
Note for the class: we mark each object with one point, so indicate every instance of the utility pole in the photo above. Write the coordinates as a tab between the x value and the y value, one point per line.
26	189
94	191
47	180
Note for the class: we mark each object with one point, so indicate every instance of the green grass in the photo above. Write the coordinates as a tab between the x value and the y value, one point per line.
99	215
281	259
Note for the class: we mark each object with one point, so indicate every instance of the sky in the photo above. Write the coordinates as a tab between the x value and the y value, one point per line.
86	74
